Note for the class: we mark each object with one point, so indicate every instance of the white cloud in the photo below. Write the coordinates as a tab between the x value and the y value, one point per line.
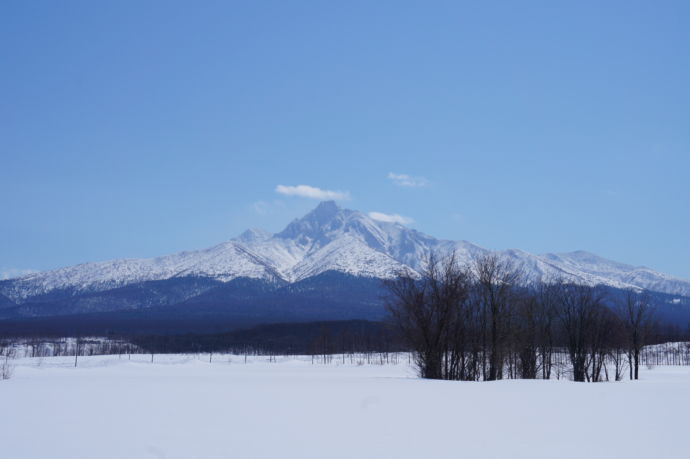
390	218
307	191
408	180
9	273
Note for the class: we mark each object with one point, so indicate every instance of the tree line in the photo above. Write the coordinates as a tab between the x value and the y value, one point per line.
466	322
485	321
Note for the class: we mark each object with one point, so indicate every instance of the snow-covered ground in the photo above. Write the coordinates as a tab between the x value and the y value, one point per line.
186	407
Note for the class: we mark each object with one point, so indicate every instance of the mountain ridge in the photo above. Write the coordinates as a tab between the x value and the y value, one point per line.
329	238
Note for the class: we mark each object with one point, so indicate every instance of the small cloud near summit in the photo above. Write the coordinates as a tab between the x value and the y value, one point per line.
408	180
390	218
306	191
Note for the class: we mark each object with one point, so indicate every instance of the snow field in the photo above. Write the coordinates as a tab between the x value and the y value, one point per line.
185	407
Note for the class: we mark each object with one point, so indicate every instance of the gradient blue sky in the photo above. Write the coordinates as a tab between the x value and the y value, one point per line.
135	129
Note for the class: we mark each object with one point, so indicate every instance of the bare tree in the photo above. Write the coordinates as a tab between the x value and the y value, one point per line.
76	350
496	280
547	298
600	340
618	346
579	310
526	328
636	313
7	352
429	313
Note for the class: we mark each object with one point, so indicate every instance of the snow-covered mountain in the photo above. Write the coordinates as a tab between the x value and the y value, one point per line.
329	238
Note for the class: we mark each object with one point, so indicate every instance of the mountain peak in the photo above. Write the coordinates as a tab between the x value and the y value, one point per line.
327	206
253	234
324	218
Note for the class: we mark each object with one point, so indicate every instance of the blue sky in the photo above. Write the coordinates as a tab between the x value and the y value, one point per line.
135	129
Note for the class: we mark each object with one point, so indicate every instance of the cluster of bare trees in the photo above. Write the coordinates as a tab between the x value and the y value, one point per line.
57	347
6	368
482	322
667	353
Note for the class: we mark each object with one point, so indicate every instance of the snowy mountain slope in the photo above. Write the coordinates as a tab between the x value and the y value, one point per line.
538	268
223	262
329	238
350	255
618	274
